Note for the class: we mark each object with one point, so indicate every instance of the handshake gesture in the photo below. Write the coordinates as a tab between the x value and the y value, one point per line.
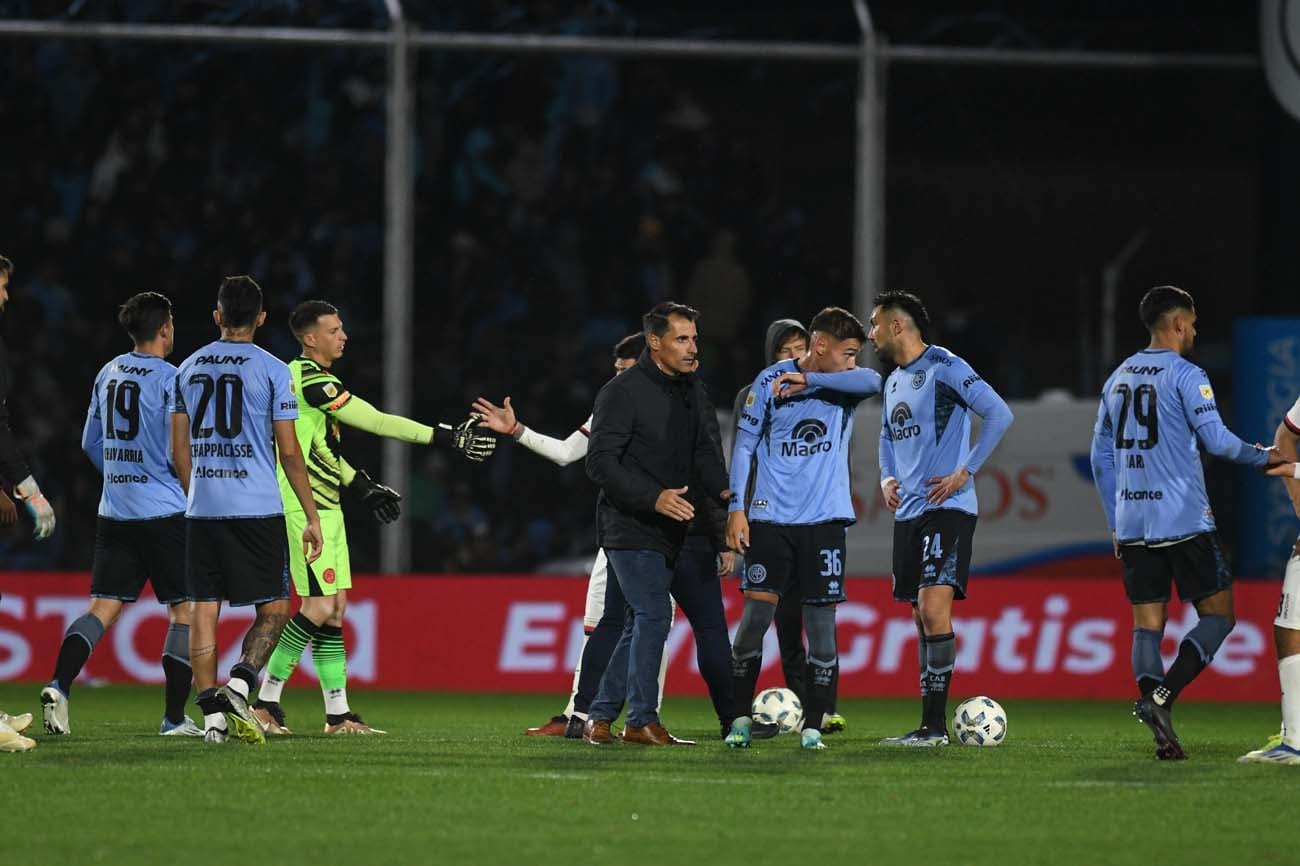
476	444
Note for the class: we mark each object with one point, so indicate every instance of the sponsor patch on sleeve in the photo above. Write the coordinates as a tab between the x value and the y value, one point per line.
749	400
1207	392
340	402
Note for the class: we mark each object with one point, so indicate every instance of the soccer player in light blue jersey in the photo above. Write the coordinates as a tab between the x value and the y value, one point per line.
140	532
234	408
927	470
796	425
1157	412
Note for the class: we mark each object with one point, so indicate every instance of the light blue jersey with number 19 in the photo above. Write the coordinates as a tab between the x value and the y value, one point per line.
232	391
127	436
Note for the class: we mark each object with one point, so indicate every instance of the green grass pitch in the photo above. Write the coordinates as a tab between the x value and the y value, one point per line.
455	783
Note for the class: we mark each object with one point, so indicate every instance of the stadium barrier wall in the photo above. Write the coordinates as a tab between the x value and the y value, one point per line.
1017	637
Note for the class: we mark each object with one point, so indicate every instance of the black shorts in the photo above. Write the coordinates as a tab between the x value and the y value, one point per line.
1195	565
129	552
243	560
806	561
933	550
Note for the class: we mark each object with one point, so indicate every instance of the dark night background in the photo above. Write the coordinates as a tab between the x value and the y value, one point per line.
557	198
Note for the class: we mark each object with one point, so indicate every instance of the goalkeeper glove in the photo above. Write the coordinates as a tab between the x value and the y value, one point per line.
29	493
469	439
382	501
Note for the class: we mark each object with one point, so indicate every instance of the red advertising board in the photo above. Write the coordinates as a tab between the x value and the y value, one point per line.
1017	637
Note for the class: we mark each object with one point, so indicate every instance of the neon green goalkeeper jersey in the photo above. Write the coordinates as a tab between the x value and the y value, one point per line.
323	405
320	396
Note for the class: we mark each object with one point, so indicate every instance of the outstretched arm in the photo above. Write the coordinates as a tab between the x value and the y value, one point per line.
1202	414
561	452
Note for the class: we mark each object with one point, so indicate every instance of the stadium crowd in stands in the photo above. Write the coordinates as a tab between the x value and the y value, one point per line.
557	198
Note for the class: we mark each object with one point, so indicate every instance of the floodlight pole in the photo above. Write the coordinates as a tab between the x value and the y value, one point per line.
399	235
869	169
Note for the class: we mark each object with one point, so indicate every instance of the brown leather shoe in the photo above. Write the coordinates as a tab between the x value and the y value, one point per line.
554	728
652	734
597	732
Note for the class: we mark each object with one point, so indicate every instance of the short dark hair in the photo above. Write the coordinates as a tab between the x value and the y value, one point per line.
143	315
656	321
838	323
307	314
908	303
1161	300
6	266
240	300
629	347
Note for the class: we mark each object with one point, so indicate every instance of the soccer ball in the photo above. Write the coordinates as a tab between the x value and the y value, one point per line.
779	707
980	721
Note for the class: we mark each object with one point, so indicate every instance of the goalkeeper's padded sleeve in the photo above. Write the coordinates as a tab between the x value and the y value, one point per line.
363	416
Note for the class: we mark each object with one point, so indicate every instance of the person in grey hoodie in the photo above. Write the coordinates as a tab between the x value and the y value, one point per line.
787	338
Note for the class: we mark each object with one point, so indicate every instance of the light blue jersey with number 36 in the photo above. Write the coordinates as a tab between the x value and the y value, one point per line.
231	392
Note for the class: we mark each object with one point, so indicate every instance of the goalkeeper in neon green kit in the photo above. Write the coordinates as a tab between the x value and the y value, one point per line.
323	405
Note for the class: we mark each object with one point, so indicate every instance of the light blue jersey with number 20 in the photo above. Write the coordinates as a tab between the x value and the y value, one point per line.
231	392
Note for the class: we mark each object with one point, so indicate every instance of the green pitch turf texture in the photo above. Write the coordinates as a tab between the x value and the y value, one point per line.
455	783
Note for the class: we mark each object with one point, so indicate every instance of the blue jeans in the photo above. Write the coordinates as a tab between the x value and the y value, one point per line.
694	583
633	673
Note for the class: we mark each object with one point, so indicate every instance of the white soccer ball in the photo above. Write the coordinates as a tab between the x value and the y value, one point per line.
779	707
980	721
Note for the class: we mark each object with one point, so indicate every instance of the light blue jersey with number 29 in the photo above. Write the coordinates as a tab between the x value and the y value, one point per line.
1157	411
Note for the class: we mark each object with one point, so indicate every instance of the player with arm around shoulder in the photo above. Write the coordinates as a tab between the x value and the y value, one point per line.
797	424
325	405
927	469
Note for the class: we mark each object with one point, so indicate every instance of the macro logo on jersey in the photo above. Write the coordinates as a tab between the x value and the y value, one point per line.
901	426
918	381
806	439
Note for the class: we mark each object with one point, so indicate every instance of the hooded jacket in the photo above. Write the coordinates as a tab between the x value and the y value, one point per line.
777	333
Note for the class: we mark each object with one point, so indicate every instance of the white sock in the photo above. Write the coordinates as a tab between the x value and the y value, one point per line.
214	720
336	702
271	689
575	713
1288	673
238	686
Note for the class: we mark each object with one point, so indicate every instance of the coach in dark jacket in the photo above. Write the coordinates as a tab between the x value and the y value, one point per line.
650	453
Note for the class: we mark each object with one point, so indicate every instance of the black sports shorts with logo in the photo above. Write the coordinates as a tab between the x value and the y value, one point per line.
807	560
130	552
1195	565
933	549
239	560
